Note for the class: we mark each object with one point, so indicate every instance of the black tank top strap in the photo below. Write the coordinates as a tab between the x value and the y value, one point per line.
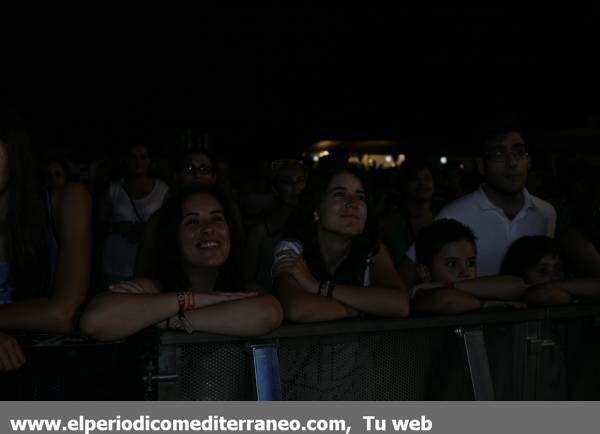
50	214
51	238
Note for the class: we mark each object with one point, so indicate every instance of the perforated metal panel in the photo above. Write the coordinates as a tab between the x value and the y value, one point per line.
219	371
408	365
325	368
405	365
536	358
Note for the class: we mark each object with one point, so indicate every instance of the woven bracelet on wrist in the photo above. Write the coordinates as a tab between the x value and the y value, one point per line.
181	301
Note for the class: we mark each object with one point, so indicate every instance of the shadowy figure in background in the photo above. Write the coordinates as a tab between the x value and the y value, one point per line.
126	206
580	221
289	180
414	209
57	174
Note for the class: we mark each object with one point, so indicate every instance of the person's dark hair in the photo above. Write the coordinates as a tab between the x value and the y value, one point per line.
395	191
27	234
526	252
492	136
277	166
169	272
303	228
434	236
130	146
411	167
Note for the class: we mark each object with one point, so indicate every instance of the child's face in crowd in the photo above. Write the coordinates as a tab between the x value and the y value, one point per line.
454	262
203	234
548	269
343	209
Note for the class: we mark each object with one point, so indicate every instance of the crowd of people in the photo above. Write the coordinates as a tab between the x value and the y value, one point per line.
189	250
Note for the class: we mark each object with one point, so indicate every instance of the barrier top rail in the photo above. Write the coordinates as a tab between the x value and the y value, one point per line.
74	340
371	324
349	326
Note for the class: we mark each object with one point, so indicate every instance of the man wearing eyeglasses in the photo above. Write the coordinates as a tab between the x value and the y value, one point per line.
504	164
501	210
196	169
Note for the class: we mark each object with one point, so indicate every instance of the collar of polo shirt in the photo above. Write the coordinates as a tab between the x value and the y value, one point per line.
485	204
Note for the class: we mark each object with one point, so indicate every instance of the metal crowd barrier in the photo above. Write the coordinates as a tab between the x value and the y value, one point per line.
536	354
72	367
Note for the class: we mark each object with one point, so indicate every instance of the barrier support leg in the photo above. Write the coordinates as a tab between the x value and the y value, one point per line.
479	368
266	372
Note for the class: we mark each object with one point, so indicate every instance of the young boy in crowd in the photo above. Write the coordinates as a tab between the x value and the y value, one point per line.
537	260
446	253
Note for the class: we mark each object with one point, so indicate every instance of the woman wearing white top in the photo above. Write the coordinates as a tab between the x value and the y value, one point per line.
128	204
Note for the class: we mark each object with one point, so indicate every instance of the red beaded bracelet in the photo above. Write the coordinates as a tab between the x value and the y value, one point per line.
186	301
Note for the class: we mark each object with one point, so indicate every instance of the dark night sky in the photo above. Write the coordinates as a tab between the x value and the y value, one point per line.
274	80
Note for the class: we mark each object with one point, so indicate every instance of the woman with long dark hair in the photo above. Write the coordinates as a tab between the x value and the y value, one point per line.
198	283
45	248
332	264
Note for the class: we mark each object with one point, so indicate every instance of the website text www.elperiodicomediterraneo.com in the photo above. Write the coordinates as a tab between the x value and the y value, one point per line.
215	423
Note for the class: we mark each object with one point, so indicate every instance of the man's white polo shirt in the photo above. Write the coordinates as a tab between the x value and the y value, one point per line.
495	232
